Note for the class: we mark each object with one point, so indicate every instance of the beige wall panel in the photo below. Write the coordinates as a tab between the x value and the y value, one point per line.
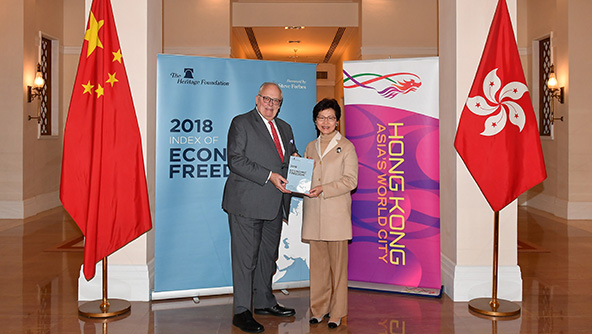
12	95
448	120
323	92
548	18
42	156
196	23
560	45
400	24
294	14
580	113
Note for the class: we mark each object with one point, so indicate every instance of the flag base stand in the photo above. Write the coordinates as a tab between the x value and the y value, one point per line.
104	308
484	306
494	307
94	309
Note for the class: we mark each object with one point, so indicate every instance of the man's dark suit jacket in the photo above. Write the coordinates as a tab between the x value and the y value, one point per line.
251	156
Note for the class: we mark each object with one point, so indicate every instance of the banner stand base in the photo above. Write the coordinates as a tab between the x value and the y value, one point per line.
418	291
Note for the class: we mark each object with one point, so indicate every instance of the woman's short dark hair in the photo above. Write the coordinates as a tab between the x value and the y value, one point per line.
326	104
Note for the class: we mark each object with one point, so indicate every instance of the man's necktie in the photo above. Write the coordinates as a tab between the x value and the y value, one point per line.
276	140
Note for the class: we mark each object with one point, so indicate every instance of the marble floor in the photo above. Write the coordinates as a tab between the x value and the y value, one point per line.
38	290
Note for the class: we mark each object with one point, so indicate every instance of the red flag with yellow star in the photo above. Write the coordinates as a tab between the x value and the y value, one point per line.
103	184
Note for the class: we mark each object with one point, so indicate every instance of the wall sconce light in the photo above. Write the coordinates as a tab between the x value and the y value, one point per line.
34	92
556	92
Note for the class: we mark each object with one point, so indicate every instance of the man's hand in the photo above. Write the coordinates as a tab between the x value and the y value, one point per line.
279	182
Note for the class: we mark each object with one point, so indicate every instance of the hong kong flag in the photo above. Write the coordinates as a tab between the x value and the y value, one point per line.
103	184
497	136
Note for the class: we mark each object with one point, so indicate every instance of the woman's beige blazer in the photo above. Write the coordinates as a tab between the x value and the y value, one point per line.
328	217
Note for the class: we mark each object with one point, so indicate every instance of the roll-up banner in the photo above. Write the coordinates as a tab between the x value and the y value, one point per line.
391	116
197	97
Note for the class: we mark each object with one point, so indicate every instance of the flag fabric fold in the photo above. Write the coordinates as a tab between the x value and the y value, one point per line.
103	182
497	136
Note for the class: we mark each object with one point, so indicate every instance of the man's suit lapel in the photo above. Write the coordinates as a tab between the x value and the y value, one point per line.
259	126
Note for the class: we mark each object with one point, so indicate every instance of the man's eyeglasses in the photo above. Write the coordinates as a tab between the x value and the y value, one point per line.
328	118
267	99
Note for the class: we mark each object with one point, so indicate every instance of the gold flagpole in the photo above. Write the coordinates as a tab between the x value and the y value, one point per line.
494	307
104	308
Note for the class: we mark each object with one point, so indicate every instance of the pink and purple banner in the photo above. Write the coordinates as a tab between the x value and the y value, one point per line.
391	116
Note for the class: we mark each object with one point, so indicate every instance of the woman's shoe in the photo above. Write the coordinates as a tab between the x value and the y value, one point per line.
314	320
334	324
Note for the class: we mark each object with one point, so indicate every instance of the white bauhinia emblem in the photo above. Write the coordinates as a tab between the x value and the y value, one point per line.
480	106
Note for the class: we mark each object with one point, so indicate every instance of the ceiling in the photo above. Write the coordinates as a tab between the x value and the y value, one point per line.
307	44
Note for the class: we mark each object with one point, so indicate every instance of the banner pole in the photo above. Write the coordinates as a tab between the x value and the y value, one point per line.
104	308
494	307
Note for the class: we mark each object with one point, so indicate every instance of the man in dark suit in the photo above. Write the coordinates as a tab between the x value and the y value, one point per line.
256	200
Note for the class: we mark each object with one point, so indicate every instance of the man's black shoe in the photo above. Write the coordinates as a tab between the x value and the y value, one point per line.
277	310
246	323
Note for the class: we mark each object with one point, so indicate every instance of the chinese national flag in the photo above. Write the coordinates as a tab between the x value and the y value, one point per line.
497	135
103	184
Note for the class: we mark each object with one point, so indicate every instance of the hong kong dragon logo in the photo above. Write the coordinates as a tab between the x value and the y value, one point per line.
388	85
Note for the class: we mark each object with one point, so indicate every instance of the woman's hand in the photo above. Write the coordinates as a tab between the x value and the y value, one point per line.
315	192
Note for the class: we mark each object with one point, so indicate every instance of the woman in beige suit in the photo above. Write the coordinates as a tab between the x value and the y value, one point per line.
327	214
